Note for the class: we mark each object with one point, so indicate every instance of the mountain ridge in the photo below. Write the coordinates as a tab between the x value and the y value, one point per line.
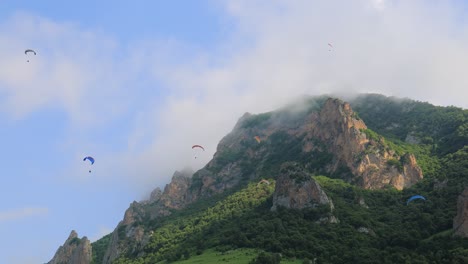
327	138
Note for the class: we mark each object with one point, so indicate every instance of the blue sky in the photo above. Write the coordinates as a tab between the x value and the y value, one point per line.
136	84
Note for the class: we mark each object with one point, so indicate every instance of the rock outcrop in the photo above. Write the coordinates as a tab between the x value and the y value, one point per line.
460	222
366	230
296	189
130	235
155	195
175	193
362	202
73	251
371	163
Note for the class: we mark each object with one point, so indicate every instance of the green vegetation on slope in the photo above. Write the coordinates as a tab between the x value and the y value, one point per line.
396	232
99	249
237	256
444	128
183	236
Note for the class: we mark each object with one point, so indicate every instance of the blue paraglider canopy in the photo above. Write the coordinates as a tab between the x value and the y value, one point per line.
91	159
414	197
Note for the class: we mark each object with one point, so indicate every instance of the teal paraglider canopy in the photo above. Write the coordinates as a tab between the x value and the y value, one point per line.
414	197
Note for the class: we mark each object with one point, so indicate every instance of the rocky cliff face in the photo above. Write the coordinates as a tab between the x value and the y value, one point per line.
460	222
175	193
296	189
73	251
371	163
129	235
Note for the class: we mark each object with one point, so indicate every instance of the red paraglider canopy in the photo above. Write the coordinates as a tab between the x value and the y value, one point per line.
198	146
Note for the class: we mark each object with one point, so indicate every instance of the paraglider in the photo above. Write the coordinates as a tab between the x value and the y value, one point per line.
199	147
257	138
91	159
29	51
414	197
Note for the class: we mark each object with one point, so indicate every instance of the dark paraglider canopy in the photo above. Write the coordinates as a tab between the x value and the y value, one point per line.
29	50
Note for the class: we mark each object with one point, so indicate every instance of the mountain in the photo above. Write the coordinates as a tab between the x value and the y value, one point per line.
73	251
321	179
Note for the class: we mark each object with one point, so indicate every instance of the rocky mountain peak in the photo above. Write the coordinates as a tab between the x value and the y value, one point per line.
174	196
73	251
242	119
73	234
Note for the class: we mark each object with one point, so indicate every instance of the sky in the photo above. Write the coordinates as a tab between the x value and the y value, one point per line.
136	83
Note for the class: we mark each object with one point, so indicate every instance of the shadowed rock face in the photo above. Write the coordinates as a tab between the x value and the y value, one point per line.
460	222
296	189
73	251
128	232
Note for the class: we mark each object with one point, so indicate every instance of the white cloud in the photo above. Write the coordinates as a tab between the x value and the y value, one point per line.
17	214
